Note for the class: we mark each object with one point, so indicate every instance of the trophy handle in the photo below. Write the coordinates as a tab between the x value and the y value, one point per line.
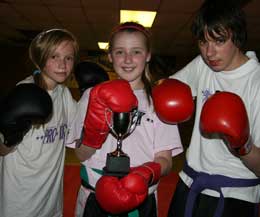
109	124
134	120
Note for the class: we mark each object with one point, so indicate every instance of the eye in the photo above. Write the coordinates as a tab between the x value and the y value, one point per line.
70	58
202	43
137	52
220	41
54	56
118	52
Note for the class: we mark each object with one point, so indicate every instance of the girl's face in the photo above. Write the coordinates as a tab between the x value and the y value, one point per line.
59	65
129	55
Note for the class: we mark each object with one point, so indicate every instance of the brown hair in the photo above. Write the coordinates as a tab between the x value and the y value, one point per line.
136	27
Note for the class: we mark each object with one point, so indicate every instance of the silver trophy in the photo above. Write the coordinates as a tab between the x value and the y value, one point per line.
122	124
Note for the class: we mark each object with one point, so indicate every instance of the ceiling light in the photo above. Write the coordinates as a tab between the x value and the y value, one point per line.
103	45
144	18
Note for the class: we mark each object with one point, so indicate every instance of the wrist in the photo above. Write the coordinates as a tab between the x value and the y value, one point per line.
151	171
246	148
78	143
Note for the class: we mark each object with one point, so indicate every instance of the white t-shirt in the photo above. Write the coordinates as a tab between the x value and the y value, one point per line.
31	177
148	138
211	155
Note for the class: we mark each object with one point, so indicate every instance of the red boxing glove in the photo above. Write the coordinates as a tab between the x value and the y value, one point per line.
123	195
173	102
105	98
225	113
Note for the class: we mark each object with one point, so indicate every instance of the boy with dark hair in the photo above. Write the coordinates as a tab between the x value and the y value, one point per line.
221	173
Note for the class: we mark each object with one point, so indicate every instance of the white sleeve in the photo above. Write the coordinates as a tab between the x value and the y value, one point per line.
167	137
76	126
190	74
254	116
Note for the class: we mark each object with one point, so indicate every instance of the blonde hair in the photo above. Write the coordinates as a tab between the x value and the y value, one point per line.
44	44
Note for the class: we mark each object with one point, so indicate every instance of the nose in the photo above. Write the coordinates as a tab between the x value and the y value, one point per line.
128	58
210	50
62	63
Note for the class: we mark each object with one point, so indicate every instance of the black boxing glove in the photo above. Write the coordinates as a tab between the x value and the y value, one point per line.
25	105
88	74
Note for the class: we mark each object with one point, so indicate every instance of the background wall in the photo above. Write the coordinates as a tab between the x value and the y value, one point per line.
15	65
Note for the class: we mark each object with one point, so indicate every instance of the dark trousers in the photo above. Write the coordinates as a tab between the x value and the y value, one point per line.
205	205
147	209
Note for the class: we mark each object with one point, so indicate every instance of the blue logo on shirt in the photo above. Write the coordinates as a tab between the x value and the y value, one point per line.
206	94
54	133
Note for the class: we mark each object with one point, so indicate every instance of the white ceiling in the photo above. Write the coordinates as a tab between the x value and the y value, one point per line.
92	21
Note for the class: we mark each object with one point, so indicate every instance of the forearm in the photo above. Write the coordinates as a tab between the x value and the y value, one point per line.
164	158
252	159
84	152
4	150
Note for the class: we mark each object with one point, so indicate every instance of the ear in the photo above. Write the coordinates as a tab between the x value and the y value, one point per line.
109	57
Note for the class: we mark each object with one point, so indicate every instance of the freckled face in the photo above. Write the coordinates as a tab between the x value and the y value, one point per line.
220	54
129	55
59	65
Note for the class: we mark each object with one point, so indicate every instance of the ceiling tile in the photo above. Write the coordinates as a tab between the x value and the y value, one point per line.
188	6
101	4
149	5
68	14
62	3
37	16
93	20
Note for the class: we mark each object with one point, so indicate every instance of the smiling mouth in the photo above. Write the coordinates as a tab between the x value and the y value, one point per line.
128	69
61	73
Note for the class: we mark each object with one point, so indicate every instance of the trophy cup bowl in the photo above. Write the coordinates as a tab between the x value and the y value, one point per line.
118	162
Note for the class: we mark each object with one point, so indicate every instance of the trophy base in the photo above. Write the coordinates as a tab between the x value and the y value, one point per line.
118	166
